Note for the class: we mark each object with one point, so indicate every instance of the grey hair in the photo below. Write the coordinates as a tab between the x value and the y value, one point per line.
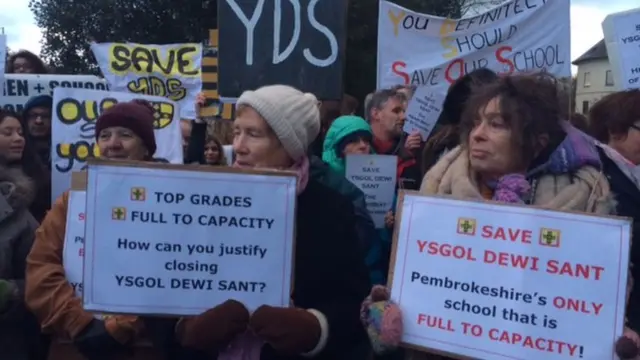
379	99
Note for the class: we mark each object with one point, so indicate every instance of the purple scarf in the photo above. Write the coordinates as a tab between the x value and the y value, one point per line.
575	151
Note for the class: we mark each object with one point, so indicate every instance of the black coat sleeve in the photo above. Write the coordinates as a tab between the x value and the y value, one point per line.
16	312
331	276
195	149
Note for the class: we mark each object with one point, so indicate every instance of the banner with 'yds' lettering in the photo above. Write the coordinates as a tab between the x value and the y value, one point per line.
73	120
172	71
431	51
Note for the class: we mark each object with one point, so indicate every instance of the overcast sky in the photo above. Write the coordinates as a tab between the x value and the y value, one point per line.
586	19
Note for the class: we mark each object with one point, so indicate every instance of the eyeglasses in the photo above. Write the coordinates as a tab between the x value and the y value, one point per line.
36	116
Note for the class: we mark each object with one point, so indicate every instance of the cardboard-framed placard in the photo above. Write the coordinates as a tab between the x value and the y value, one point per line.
165	239
488	280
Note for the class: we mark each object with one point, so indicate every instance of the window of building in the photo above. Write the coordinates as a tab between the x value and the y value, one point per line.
609	78
587	79
585	107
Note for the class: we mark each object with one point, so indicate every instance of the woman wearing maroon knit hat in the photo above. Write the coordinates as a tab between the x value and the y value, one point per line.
124	131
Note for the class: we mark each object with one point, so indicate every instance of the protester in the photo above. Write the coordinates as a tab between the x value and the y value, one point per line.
386	114
273	129
37	115
446	134
25	62
213	152
615	123
352	135
347	135
516	148
123	132
19	332
18	155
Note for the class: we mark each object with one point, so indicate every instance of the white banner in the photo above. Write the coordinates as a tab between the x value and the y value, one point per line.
73	120
426	50
19	88
622	37
172	71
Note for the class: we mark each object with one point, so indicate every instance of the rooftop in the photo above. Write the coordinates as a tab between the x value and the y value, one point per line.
597	52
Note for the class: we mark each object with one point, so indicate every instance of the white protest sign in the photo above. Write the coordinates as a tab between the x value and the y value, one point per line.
375	175
73	252
622	37
490	281
19	88
172	71
73	130
518	36
423	111
180	241
3	56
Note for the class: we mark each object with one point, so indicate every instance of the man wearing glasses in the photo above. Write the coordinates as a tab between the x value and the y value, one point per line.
37	116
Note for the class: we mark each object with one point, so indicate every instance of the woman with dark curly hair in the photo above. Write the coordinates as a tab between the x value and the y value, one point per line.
517	147
25	62
446	135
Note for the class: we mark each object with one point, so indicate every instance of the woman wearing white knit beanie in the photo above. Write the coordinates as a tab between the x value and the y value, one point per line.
273	128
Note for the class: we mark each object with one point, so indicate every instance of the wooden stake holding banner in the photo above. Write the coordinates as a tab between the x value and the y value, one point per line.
167	239
484	280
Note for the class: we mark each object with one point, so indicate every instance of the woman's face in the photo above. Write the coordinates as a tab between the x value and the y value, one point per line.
628	144
255	144
360	146
212	153
491	151
121	143
11	139
23	66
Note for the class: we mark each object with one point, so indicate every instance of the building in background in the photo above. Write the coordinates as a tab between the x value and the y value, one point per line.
594	79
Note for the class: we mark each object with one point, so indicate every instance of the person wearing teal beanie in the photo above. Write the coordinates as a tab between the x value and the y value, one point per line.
347	135
350	135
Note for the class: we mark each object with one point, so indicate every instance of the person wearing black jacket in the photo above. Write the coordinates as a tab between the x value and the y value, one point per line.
274	127
615	122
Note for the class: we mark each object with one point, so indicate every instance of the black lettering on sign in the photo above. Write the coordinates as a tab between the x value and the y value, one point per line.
293	42
148	59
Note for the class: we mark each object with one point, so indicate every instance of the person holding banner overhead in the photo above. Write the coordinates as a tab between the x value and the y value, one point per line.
124	131
273	129
517	148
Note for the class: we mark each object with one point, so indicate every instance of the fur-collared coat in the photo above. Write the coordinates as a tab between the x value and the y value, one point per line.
19	332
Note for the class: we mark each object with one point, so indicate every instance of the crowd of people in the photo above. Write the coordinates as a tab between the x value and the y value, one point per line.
509	139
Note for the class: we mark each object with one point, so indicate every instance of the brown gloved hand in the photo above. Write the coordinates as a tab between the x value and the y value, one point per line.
215	328
290	331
